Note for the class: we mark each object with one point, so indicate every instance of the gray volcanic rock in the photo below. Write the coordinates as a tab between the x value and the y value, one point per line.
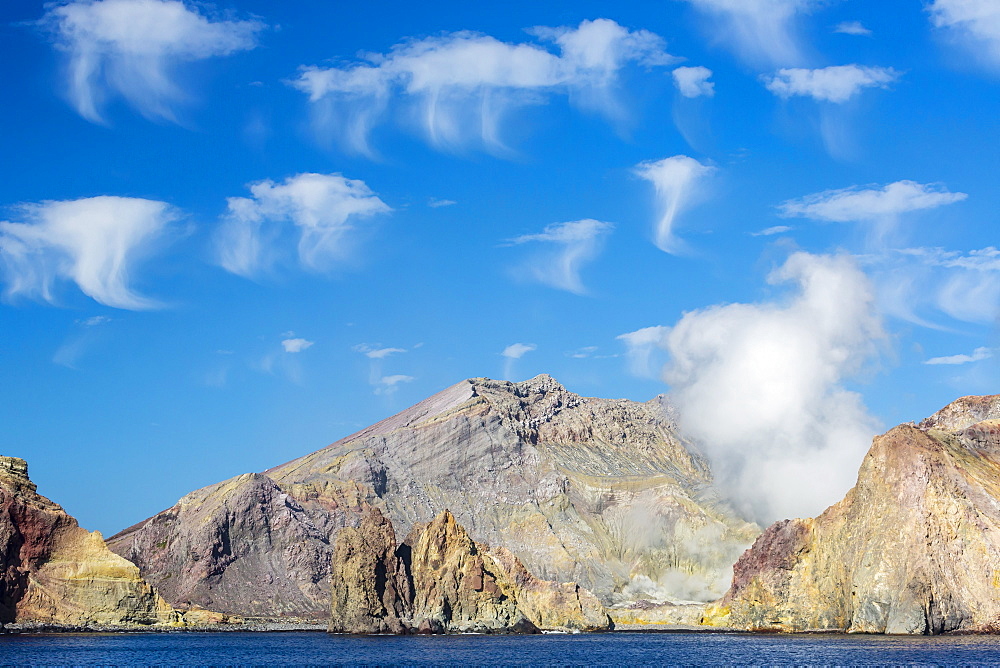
596	491
914	548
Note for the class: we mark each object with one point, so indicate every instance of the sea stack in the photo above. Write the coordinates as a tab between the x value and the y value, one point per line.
53	572
441	581
914	548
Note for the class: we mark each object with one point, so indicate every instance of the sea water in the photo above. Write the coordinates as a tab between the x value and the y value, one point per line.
620	648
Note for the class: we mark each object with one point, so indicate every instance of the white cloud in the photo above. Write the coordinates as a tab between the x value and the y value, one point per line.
376	352
977	355
322	207
389	384
435	203
130	48
836	84
459	86
763	32
516	351
94	321
95	242
770	231
296	345
693	81
975	25
761	387
576	243
878	206
920	285
852	28
641	348
677	181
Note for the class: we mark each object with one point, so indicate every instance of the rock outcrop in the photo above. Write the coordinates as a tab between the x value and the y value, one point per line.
54	572
594	491
914	548
442	581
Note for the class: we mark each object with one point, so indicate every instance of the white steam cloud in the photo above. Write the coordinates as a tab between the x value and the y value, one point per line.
677	181
131	48
322	207
574	244
514	351
459	86
760	386
836	84
94	242
762	32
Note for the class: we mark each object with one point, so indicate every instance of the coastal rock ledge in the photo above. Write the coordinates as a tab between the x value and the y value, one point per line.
52	572
439	580
914	548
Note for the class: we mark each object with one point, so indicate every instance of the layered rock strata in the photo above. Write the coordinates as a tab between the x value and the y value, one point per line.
594	491
442	581
54	572
914	548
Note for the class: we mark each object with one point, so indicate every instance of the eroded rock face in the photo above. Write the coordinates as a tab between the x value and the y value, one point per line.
594	491
371	588
52	571
445	582
914	548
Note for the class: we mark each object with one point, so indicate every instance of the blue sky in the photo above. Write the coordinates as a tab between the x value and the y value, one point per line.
232	233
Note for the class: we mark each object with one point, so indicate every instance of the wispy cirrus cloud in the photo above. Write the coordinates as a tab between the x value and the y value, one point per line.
96	243
322	208
131	49
836	84
878	206
762	32
513	352
678	181
979	354
771	231
868	203
935	287
389	384
573	245
376	351
694	81
852	28
973	24
644	350
296	345
459	87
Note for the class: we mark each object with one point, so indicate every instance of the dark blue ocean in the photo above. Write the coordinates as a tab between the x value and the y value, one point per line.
583	649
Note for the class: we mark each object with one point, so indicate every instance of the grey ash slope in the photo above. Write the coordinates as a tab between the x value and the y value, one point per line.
598	491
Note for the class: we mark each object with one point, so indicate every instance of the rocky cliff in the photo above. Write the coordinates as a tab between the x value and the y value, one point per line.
54	572
914	548
596	491
442	581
